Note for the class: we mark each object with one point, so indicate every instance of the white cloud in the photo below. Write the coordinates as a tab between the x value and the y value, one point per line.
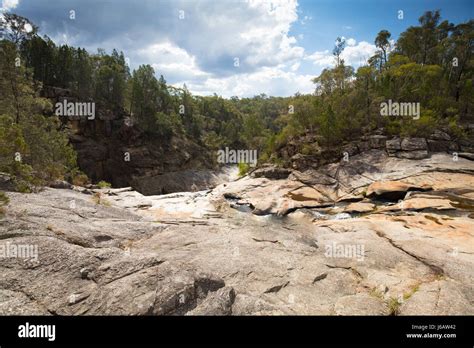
354	54
171	61
321	58
271	81
358	54
7	5
180	66
256	32
199	50
392	45
351	42
295	66
261	39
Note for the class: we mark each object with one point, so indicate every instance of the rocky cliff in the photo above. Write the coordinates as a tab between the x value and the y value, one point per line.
306	152
111	148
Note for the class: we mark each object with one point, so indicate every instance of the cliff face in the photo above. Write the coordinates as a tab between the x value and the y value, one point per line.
110	148
125	157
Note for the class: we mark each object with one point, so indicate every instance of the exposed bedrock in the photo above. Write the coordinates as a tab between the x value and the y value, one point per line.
324	241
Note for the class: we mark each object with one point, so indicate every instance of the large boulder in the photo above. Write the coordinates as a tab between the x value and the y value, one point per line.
6	182
363	146
439	145
410	148
377	141
301	162
440	135
466	145
393	145
414	144
418	148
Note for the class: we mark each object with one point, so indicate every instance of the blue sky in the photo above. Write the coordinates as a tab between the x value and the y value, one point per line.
232	47
363	19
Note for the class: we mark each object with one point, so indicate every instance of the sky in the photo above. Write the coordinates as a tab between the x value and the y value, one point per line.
232	47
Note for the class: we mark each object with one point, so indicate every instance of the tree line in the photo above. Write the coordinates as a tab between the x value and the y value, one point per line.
430	63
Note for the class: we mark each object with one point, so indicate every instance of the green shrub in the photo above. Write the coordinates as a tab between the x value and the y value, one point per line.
455	130
393	306
4	200
78	178
422	127
104	184
243	168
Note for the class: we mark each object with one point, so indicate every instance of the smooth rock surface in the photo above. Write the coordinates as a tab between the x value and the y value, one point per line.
117	252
